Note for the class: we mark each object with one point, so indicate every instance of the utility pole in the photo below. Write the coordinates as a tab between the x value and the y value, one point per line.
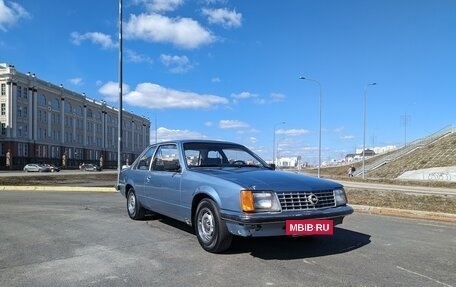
404	121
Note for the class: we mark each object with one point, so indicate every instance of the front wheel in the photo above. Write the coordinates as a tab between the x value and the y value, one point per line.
210	229
134	208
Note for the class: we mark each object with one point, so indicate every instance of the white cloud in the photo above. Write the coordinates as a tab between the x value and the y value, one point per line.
111	91
154	96
292	132
176	64
95	37
164	134
181	32
76	81
209	2
347	138
208	124
277	97
243	95
161	5
247	95
224	17
232	124
133	57
216	80
11	14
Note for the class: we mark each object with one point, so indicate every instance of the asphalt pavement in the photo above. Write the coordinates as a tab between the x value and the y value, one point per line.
58	239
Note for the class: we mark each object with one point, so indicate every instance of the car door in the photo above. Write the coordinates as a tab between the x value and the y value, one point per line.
140	172
162	185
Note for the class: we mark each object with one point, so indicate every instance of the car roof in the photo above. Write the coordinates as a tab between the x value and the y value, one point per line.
183	141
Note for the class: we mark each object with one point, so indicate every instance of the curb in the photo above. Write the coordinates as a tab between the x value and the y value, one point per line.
415	214
58	188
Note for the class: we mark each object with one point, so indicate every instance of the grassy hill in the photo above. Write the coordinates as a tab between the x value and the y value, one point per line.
440	153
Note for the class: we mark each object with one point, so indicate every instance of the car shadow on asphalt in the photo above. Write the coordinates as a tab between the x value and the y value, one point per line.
286	247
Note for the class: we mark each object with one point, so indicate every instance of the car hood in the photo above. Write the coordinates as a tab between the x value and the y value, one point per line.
264	179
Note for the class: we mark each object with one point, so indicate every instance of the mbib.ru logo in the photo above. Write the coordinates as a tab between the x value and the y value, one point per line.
309	227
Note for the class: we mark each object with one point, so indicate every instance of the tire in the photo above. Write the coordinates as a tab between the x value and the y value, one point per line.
210	229
134	208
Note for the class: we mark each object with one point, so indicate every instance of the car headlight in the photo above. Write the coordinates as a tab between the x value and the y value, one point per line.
340	197
258	201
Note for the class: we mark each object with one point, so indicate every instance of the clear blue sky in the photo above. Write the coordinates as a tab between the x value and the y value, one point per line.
229	70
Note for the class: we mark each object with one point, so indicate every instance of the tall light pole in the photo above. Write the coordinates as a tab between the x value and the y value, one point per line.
274	142
364	128
319	133
119	120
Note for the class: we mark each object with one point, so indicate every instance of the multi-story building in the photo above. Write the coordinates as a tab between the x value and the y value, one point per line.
45	123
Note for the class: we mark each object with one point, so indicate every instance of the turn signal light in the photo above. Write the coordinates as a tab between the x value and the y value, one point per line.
246	198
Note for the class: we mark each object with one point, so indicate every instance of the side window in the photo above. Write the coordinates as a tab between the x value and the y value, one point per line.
166	158
213	158
192	157
146	159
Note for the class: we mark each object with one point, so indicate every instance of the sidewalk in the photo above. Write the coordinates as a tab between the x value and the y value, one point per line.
415	214
58	188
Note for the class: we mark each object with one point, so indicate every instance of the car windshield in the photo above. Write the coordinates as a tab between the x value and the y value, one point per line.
220	155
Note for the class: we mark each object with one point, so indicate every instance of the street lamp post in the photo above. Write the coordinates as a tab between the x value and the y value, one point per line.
119	120
319	133
364	127
274	142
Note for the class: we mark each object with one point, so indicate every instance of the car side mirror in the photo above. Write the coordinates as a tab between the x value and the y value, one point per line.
272	166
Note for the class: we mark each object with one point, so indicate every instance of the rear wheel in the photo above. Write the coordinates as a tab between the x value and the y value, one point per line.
134	208
210	229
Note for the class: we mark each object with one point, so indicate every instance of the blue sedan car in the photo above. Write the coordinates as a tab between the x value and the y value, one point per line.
223	189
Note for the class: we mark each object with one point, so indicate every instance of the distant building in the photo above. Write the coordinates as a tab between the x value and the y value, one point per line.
368	152
289	162
45	123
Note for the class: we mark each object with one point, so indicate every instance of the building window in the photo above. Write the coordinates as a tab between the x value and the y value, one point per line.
3	129
24	92
41	100
55	104
3	89
68	108
3	109
22	149
19	91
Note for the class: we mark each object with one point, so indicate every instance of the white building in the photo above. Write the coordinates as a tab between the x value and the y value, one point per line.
289	162
45	123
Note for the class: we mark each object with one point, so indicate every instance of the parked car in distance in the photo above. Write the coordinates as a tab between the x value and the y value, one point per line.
36	167
90	167
223	189
53	168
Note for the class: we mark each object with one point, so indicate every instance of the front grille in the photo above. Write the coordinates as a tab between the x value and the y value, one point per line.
303	200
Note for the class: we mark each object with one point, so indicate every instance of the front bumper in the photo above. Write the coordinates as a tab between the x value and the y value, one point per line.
273	224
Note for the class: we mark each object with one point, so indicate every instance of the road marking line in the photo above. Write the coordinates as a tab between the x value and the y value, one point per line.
424	276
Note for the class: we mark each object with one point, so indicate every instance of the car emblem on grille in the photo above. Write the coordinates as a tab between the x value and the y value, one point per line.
312	199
